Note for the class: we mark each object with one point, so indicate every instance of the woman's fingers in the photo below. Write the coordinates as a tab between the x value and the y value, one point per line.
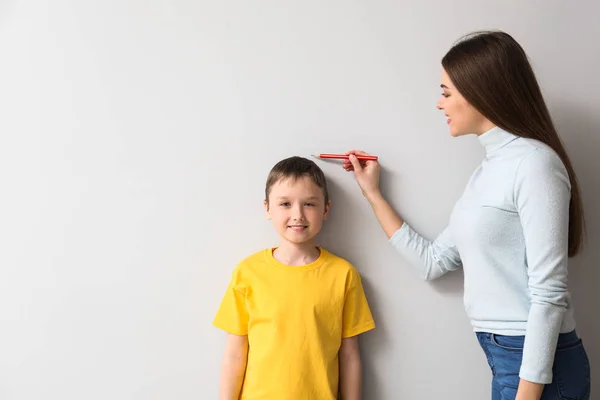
347	164
357	152
356	165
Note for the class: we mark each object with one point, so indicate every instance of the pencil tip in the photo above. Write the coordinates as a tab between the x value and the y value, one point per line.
315	155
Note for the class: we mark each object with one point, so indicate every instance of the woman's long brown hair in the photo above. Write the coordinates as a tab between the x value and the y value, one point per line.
492	72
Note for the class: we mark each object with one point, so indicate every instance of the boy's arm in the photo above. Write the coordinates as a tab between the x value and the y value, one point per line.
350	369
233	367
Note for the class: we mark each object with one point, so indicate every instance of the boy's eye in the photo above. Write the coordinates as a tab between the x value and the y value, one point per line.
310	204
445	95
285	204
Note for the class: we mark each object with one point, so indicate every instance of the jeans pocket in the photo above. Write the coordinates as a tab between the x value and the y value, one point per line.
483	342
511	343
572	371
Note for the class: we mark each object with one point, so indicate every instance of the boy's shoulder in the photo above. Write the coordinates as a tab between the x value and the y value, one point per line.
341	264
249	267
253	260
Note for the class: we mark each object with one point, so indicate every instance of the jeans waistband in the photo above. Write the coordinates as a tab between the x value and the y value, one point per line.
568	337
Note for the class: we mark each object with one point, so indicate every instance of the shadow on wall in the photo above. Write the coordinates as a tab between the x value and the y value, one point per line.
337	233
450	284
376	342
580	133
350	211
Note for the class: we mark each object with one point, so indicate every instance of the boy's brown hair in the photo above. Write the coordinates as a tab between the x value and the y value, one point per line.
296	167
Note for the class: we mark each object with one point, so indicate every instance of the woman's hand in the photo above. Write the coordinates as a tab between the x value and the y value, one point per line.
529	390
365	172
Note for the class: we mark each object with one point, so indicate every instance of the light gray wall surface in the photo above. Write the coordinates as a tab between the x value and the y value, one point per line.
136	140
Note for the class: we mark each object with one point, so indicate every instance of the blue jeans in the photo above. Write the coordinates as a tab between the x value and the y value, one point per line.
571	369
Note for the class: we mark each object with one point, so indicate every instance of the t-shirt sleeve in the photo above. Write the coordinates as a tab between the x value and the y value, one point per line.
357	316
232	315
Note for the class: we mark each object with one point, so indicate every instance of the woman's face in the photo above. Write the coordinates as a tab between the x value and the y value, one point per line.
463	118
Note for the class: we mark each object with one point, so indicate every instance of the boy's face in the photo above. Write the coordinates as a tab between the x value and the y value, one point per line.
297	209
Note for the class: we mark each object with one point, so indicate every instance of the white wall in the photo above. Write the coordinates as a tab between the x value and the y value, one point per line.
136	139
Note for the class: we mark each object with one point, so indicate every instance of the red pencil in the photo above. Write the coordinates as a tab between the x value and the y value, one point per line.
345	156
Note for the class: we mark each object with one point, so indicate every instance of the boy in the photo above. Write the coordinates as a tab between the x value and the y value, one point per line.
293	312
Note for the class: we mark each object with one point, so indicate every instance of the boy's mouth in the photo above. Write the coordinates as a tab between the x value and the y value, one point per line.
298	228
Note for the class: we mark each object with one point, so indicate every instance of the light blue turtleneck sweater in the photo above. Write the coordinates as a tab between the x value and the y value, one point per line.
509	232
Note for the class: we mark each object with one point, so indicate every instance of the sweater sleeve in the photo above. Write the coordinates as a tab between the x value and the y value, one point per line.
542	197
432	258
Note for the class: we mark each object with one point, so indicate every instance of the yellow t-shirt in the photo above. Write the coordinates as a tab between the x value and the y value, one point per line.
295	318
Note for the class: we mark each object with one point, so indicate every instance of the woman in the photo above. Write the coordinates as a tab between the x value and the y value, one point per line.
518	221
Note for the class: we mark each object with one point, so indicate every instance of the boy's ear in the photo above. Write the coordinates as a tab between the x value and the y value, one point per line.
267	210
327	207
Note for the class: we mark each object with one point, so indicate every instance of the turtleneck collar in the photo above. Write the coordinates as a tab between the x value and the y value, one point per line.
495	139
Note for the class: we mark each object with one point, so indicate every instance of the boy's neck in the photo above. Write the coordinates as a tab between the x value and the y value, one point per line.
296	254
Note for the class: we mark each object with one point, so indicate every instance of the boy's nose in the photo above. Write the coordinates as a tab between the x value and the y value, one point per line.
298	214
